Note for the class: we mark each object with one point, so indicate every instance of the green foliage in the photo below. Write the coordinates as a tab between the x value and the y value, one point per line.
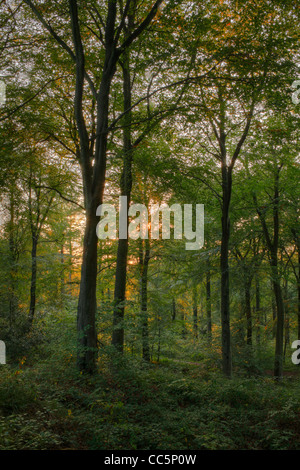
131	405
210	90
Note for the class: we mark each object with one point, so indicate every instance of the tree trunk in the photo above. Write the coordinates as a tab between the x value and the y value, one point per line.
257	310
62	275
126	185
183	325
274	312
298	287
273	253
286	319
173	309
144	263
13	262
208	307
93	176
225	305
92	150
278	365
119	296
33	278
248	311
86	311
70	290
159	342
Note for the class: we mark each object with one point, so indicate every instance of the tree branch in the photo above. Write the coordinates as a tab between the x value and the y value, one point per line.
138	31
60	41
61	195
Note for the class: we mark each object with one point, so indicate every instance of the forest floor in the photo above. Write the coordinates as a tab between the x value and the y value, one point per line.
174	405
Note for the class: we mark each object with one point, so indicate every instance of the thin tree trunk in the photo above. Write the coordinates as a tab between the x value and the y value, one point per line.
33	278
62	275
257	309
119	296
183	326
70	266
144	263
286	319
86	311
225	303
13	260
126	185
274	312
173	309
159	342
248	311
208	307
298	287
226	170
298	281
278	365
273	252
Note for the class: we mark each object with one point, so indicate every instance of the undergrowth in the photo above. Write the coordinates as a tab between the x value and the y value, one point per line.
173	405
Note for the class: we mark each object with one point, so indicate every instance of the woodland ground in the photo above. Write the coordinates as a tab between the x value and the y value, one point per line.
181	403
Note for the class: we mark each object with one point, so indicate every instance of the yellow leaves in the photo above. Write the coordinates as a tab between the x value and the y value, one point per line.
22	361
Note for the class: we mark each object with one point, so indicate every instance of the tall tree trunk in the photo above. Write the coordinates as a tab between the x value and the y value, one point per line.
248	311
298	287
173	309
274	311
144	263
126	185
257	309
62	275
208	307
273	252
119	296
13	261
183	325
93	160
93	175
33	278
297	241
286	319
278	364
159	341
86	311
70	290
226	172
225	303
195	321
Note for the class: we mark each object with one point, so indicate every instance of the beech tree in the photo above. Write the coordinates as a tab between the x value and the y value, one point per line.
230	95
112	45
179	87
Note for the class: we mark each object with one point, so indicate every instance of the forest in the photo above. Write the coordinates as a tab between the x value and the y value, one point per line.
150	232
